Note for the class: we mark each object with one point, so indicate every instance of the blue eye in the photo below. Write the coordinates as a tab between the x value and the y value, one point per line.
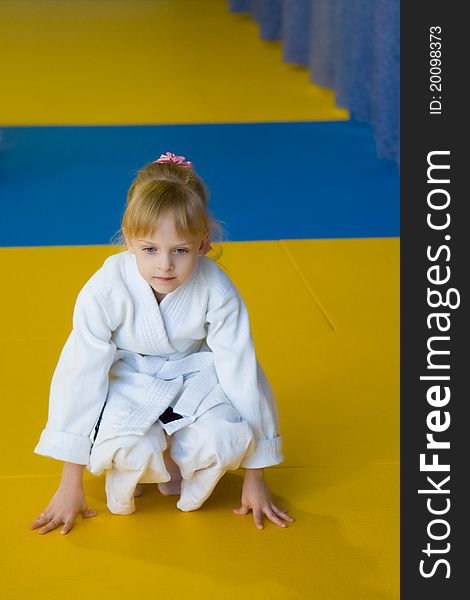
177	250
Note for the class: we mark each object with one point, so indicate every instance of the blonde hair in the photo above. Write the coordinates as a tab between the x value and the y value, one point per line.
162	189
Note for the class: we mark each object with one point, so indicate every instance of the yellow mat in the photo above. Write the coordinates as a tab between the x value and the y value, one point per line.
146	62
326	334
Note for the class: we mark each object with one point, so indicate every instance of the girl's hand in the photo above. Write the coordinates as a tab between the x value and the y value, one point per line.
65	505
257	497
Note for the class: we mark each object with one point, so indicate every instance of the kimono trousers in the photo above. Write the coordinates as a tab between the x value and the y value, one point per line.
128	360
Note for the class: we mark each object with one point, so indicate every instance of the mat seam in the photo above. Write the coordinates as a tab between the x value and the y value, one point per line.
307	285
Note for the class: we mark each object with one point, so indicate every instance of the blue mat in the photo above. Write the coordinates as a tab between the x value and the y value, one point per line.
267	181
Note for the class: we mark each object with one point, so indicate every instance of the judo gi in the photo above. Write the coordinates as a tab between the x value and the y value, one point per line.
129	359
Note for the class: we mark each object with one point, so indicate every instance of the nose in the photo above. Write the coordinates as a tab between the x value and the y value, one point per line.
165	264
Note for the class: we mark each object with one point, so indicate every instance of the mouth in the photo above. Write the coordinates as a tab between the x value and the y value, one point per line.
164	278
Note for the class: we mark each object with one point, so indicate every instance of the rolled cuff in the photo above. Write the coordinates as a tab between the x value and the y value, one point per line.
61	445
266	454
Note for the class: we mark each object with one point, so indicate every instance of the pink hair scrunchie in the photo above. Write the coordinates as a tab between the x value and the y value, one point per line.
172	158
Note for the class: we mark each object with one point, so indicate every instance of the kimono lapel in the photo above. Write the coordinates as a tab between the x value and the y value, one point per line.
154	321
174	305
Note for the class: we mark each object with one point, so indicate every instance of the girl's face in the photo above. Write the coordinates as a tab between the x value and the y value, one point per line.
166	260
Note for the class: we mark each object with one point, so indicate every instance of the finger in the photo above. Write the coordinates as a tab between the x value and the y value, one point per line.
89	513
258	518
282	513
243	510
43	515
274	518
39	521
277	508
67	527
52	525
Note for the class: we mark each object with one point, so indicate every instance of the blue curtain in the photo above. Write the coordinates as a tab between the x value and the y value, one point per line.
267	13
351	46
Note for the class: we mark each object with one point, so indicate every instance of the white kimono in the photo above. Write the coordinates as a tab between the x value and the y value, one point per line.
129	358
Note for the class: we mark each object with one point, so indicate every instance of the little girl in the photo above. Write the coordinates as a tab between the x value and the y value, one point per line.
160	356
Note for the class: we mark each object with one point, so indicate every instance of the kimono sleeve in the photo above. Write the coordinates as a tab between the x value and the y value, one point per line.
80	383
242	378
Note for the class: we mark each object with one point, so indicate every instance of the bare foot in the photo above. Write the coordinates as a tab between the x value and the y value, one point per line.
139	490
172	487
